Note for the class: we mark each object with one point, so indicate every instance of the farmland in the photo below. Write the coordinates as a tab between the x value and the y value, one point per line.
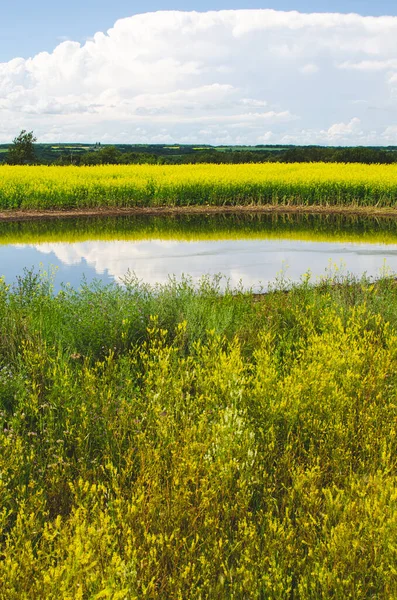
178	442
186	440
90	154
320	184
198	301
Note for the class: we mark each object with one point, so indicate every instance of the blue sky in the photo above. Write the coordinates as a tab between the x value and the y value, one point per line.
90	71
27	27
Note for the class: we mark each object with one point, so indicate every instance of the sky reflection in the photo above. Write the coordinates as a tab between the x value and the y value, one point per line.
253	262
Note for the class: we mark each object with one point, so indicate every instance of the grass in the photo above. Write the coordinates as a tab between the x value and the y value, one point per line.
316	228
176	442
303	184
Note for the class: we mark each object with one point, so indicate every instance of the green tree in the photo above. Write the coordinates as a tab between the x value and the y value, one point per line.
109	155
22	150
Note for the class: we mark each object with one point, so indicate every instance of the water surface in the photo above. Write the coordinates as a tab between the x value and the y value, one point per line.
252	249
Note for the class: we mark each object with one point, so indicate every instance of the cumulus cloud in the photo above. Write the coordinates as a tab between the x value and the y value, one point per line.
309	69
237	76
390	135
344	129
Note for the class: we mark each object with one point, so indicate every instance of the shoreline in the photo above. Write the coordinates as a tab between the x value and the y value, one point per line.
32	215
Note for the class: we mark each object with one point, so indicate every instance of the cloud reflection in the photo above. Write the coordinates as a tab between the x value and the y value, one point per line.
250	261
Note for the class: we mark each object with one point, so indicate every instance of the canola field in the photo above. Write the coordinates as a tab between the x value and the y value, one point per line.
41	187
174	442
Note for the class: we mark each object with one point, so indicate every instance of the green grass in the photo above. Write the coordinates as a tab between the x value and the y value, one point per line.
176	442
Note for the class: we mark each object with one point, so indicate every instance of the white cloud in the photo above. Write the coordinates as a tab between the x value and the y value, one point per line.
214	77
344	129
390	135
266	138
340	134
309	69
370	65
393	79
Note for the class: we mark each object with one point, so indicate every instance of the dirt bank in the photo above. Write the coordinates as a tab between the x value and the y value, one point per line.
30	215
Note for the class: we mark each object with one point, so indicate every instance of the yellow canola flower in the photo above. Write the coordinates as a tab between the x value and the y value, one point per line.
204	184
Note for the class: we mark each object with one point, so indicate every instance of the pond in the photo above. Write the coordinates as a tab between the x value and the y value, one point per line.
252	249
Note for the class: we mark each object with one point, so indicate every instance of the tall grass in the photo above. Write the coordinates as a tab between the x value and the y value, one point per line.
174	442
154	185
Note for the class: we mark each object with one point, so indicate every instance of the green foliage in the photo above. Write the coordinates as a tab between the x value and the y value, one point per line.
94	154
22	150
174	442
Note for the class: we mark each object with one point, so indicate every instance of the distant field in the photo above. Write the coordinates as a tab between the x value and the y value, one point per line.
79	154
250	148
71	147
185	185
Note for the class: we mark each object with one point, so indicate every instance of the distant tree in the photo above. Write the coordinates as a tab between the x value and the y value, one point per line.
109	155
90	158
22	150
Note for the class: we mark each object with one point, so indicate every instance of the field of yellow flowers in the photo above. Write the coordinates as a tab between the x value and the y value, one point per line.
41	187
176	442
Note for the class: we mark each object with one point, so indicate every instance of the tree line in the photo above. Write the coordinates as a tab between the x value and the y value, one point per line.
23	152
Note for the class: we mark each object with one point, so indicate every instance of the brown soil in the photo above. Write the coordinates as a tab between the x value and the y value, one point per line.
30	215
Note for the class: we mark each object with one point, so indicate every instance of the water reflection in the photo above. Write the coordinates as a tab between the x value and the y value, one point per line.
250	249
154	261
307	227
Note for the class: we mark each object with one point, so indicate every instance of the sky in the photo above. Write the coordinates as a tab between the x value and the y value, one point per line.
128	72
